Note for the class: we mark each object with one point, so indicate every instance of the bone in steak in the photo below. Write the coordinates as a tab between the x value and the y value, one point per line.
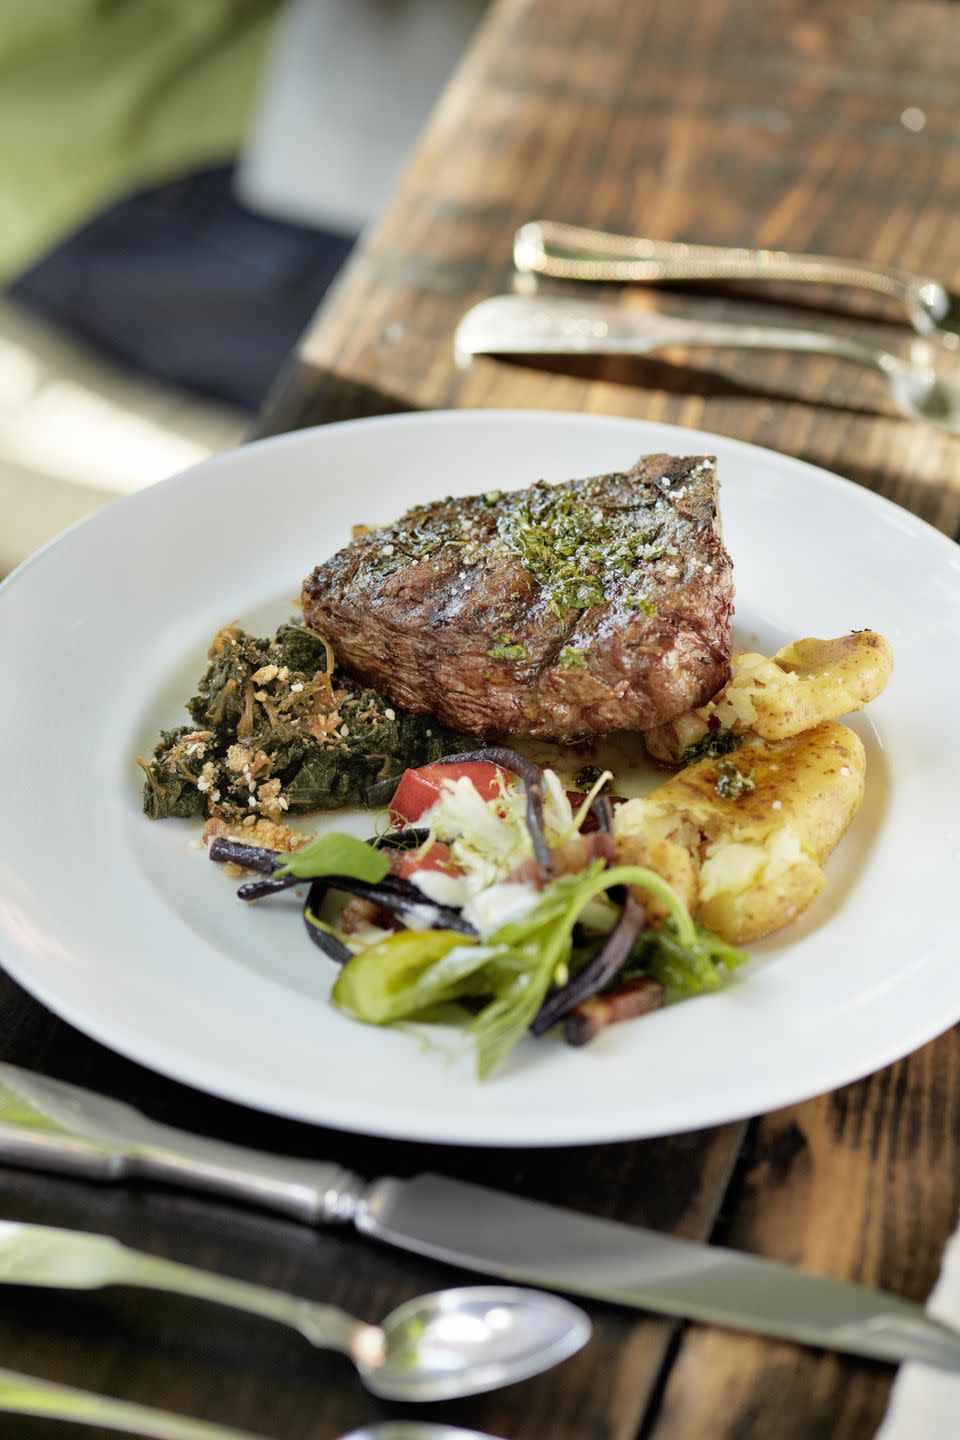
561	611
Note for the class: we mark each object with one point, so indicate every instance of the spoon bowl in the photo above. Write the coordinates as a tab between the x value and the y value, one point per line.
414	1430
468	1340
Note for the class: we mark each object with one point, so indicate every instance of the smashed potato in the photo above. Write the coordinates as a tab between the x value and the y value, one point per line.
802	686
670	861
757	825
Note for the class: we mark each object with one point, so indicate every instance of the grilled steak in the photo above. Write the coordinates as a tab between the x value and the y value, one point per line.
561	611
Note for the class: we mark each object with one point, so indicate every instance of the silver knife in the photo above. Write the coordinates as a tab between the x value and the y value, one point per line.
560	325
49	1125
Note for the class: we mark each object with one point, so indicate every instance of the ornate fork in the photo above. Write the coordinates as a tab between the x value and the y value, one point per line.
571	252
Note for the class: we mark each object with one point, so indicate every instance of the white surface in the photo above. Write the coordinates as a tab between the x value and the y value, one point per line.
349	86
925	1403
123	927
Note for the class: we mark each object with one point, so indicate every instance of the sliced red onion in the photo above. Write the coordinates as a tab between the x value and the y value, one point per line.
251	857
332	947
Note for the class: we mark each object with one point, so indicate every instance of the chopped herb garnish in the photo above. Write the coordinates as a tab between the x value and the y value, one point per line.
506	648
492	497
714	744
732	783
571	658
588	775
577	550
641	602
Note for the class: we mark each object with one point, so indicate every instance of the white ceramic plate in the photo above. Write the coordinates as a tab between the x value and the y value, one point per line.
124	928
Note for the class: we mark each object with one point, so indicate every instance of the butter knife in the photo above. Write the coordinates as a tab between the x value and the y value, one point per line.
573	252
47	1124
556	325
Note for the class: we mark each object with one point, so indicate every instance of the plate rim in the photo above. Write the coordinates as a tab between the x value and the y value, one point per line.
419	417
599	1133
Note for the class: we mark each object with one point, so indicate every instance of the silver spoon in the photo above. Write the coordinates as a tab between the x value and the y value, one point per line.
553	325
436	1347
414	1430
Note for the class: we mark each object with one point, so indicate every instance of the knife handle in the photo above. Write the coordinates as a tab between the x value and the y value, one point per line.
49	1125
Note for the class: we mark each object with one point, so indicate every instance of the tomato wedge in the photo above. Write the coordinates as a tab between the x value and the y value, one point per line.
419	790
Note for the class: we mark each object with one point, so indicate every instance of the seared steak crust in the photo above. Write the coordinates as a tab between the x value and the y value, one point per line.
559	611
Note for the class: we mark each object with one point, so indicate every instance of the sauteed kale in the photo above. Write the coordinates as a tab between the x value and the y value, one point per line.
275	732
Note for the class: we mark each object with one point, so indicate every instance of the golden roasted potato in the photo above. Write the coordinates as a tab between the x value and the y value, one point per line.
803	685
757	824
671	861
809	682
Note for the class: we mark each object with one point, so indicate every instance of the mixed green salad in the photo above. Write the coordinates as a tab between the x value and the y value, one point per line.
496	900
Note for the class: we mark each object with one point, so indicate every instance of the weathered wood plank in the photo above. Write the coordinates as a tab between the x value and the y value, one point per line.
775	125
862	1184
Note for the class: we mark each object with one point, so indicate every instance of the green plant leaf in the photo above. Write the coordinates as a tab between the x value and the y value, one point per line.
335	854
408	973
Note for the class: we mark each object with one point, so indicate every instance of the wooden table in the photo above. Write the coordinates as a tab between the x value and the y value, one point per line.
828	126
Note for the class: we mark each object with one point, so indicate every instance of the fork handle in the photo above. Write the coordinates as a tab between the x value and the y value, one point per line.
323	1325
25	1395
573	252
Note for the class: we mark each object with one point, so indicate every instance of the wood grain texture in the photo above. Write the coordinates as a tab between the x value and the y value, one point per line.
218	1365
772	124
862	1184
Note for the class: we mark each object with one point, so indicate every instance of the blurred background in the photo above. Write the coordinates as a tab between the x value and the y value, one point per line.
180	183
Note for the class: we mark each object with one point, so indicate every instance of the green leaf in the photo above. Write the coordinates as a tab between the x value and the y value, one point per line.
543	941
409	973
335	854
685	969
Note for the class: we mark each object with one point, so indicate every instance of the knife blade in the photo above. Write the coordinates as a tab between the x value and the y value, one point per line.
48	1124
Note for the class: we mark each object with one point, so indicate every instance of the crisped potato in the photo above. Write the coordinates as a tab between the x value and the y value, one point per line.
671	861
803	685
757	824
809	682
